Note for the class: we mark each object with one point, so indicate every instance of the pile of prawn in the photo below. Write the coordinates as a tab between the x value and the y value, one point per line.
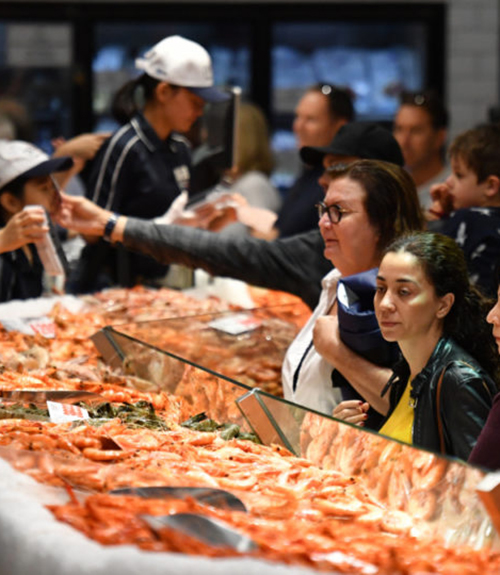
297	513
337	509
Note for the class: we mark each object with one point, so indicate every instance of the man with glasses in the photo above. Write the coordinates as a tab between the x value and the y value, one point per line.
420	128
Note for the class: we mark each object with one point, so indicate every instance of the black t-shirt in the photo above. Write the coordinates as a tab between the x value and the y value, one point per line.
298	213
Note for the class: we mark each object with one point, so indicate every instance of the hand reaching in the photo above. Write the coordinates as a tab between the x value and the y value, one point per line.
84	146
81	215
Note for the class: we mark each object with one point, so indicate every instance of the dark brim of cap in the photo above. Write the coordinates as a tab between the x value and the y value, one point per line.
210	94
49	167
313	156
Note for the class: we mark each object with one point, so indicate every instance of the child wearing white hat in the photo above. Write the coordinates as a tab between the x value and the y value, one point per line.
25	180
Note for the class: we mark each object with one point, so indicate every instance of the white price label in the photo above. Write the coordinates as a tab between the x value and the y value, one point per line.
29	326
236	324
44	326
65	412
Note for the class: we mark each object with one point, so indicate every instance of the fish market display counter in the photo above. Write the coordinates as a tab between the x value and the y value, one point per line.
317	494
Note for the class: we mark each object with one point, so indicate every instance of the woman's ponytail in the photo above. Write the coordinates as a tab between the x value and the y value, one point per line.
131	97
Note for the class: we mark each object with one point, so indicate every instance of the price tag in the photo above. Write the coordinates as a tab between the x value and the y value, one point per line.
64	412
44	326
29	326
236	324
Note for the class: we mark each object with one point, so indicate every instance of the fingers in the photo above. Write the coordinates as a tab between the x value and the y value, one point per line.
438	190
352	411
23	228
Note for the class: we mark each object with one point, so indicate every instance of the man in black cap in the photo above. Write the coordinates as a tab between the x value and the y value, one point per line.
295	264
354	141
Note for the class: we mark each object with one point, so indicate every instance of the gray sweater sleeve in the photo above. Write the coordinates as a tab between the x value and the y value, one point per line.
295	264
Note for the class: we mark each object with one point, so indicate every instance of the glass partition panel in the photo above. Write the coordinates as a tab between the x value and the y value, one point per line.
246	346
438	493
156	370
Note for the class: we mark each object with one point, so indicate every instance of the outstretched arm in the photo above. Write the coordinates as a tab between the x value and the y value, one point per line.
294	264
81	148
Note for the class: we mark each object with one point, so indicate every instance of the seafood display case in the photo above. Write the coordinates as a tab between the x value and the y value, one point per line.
127	488
439	495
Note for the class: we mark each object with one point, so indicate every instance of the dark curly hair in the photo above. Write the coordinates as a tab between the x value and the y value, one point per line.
445	267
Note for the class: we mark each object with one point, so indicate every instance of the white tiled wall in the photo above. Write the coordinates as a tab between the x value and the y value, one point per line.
472	61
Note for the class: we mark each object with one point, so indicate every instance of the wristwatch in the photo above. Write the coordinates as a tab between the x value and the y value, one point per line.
109	227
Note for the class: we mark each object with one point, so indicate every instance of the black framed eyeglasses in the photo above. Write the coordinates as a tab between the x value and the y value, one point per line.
334	211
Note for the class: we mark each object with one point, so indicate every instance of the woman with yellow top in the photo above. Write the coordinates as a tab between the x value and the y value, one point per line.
442	390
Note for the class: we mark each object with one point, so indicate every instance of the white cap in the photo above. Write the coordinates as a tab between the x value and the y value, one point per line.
24	159
182	62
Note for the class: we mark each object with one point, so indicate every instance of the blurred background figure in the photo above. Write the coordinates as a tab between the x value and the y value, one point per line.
319	115
254	164
420	127
20	117
7	128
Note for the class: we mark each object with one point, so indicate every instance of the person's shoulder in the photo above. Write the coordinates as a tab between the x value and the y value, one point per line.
475	222
459	364
476	213
121	139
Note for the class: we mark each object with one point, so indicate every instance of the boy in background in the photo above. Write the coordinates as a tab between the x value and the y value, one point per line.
467	205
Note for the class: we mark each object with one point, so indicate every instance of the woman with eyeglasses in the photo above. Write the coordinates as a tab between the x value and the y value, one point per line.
367	204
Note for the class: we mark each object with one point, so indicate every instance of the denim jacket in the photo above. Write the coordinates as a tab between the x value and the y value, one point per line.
467	393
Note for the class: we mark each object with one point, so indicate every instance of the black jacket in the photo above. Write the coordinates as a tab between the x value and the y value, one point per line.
466	397
20	278
295	264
